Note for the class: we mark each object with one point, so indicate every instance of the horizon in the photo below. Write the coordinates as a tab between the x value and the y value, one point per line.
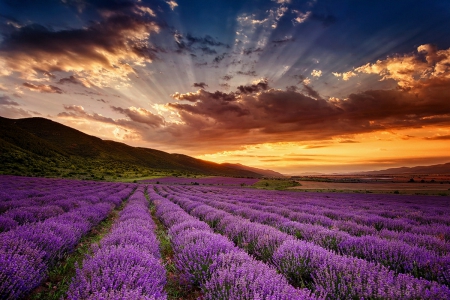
290	86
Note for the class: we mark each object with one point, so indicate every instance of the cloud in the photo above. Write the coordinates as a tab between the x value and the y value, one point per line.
258	114
101	52
204	95
346	75
43	88
292	88
13	112
141	115
172	4
283	40
438	137
314	146
227	77
260	85
247	73
6	100
316	73
250	51
190	43
200	85
300	16
310	91
219	58
70	79
348	142
206	40
429	65
77	111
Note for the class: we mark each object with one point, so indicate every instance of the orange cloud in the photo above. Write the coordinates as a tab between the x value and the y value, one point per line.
43	88
102	52
412	70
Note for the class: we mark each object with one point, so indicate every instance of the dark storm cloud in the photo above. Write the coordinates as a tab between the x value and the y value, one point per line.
43	88
206	40
257	113
283	41
247	73
70	79
201	85
203	95
189	43
208	50
250	51
253	88
6	100
291	88
310	91
219	58
102	50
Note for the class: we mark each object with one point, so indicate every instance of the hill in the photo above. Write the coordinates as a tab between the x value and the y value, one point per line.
41	147
433	169
265	173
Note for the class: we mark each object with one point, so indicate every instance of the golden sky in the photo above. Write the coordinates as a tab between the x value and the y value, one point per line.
293	86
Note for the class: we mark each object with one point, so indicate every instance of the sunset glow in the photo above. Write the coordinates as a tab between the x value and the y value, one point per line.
291	86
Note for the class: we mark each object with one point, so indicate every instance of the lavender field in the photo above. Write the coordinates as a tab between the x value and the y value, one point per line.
216	180
172	241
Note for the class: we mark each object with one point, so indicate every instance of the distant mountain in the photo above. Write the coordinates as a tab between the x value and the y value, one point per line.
433	169
41	147
265	173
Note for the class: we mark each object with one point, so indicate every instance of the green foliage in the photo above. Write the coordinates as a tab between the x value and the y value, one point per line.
275	184
40	147
60	275
175	288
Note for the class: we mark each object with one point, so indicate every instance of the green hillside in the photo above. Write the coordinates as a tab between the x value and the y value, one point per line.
41	147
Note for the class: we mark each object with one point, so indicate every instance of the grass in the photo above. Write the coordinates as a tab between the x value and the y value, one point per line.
275	184
175	288
60	275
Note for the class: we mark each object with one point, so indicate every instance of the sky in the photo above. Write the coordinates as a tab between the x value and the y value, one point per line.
293	86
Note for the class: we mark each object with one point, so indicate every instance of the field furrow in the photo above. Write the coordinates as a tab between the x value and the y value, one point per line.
213	263
263	241
126	264
28	251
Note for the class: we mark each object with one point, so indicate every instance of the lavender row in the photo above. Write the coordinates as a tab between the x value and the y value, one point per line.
28	251
276	216
24	203
397	255
317	209
14	188
327	273
212	262
54	205
127	263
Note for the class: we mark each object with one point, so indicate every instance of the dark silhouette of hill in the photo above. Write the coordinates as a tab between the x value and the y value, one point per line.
41	147
265	173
